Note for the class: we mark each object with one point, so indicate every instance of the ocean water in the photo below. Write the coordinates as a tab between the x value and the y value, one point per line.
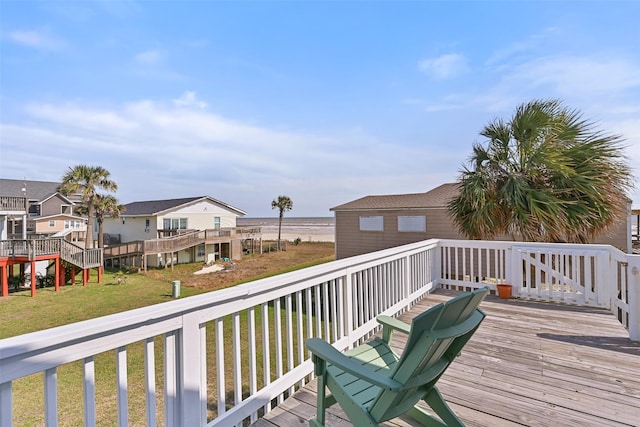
306	228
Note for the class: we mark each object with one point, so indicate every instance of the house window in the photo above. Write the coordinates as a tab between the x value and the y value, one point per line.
73	224
216	223
200	251
52	223
371	223
174	223
147	224
412	223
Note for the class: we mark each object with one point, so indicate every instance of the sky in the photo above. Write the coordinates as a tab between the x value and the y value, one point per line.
322	101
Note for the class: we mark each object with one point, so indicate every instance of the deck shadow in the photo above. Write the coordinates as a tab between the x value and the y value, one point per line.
619	344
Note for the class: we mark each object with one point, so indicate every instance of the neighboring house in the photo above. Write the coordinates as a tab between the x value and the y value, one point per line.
161	220
72	228
373	223
28	207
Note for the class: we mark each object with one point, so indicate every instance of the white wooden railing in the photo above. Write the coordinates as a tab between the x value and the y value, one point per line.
226	357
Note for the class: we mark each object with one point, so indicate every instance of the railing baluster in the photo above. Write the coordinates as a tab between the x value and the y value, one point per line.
237	358
89	393
220	376
6	404
150	381
121	374
289	332
253	372
51	397
334	311
266	351
170	379
300	328
278	336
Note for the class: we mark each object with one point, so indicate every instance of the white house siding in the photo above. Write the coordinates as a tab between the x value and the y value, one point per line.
201	216
131	229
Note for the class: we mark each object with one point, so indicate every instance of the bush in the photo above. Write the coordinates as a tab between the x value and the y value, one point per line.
45	280
15	282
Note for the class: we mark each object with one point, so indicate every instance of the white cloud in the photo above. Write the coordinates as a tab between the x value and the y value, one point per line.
189	99
444	66
35	39
569	75
149	57
160	150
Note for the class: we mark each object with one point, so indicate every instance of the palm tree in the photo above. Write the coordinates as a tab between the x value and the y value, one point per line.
284	204
87	180
106	205
544	175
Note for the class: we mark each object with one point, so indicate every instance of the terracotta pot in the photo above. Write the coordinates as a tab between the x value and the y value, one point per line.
504	291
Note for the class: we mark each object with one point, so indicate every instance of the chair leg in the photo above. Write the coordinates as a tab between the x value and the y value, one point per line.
318	421
435	400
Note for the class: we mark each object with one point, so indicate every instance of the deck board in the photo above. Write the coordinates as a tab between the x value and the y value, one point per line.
530	363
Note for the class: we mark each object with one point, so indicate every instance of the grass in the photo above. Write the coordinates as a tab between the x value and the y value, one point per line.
20	314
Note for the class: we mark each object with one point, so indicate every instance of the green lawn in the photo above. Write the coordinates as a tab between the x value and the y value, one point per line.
20	314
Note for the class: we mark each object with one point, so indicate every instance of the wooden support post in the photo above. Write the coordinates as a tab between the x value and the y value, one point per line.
5	280
85	276
33	278
100	274
56	274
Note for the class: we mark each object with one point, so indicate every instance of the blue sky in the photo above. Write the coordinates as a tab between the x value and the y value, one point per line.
324	101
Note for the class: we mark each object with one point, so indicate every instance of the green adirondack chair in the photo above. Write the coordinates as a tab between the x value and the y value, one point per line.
373	384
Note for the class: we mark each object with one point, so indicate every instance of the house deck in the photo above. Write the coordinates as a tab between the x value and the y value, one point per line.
530	363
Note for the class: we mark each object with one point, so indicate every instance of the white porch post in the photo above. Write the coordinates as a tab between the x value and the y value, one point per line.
634	298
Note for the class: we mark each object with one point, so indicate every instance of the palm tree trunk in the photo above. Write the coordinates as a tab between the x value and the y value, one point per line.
279	229
88	240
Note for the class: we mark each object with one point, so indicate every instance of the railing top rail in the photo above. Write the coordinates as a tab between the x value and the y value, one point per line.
277	285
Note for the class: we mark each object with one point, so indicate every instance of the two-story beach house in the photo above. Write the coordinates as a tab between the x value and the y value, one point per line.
39	231
372	223
36	209
158	233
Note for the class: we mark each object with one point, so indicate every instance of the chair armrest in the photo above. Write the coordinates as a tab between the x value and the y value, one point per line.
390	324
394	323
323	351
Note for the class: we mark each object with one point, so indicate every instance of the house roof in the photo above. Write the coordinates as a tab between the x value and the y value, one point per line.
436	198
156	207
47	217
35	190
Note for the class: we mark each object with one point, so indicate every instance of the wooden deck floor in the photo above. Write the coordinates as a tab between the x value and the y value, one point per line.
532	364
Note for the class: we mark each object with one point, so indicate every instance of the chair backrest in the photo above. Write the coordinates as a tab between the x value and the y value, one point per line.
437	336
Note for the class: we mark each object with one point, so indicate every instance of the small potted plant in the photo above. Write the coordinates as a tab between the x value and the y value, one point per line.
504	290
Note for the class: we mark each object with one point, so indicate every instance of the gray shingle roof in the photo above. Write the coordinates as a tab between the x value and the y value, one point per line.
436	198
36	190
153	207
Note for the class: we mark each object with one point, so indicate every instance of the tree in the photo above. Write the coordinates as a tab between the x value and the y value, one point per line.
284	204
545	175
87	180
106	205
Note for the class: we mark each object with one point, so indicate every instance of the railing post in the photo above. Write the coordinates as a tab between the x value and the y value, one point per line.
348	306
188	365
407	281
634	298
437	265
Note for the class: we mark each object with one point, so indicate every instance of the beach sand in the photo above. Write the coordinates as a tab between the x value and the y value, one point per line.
305	236
320	229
